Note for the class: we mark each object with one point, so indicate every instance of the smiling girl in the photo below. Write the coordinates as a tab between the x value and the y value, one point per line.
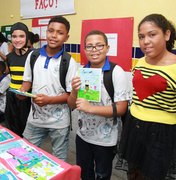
148	139
17	110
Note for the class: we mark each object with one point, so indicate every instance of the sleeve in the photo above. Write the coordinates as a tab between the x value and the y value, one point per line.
122	82
71	73
4	48
4	84
27	76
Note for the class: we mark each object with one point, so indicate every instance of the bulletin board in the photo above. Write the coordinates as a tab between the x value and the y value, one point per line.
6	31
39	26
120	37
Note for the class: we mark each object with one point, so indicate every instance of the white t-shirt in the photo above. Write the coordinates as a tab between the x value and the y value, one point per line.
4	85
47	81
4	49
100	130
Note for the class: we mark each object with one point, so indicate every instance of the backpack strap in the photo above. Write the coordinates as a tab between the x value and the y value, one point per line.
108	83
64	64
35	54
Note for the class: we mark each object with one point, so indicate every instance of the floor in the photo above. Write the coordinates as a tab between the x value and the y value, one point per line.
116	174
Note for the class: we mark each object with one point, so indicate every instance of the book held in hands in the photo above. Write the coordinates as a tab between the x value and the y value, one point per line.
90	84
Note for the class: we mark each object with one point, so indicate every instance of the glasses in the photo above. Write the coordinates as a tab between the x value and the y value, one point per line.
98	47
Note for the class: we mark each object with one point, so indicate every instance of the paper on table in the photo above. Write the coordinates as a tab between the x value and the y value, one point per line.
5	136
6	173
28	162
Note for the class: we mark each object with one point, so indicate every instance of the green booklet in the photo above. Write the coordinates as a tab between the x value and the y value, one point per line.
16	91
90	84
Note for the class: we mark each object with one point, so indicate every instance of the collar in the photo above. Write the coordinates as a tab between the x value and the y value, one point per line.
44	53
106	66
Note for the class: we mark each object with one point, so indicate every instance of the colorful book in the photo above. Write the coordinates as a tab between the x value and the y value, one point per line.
90	84
5	136
16	91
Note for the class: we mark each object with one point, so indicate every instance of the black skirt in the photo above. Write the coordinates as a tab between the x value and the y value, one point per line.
150	147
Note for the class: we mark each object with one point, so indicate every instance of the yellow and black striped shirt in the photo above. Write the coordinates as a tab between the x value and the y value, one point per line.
16	65
154	93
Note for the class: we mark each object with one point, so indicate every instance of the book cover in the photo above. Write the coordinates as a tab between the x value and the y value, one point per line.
16	91
5	136
90	84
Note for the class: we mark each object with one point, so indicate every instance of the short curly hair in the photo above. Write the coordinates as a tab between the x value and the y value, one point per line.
61	19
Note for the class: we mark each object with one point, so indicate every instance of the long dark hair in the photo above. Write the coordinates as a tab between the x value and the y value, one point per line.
164	25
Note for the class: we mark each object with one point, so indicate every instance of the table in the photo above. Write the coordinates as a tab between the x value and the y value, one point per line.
9	139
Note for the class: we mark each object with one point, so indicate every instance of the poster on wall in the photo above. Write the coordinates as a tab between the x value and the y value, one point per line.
44	8
6	31
119	32
39	26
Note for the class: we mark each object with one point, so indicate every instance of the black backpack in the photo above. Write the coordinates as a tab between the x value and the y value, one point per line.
65	60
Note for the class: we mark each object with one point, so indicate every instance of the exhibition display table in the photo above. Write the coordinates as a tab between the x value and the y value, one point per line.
20	159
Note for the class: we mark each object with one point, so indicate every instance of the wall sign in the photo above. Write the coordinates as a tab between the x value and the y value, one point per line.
44	8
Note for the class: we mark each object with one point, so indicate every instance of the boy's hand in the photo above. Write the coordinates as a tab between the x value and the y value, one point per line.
76	83
83	105
41	100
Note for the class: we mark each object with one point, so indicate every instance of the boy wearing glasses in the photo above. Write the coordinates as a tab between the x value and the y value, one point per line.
97	134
